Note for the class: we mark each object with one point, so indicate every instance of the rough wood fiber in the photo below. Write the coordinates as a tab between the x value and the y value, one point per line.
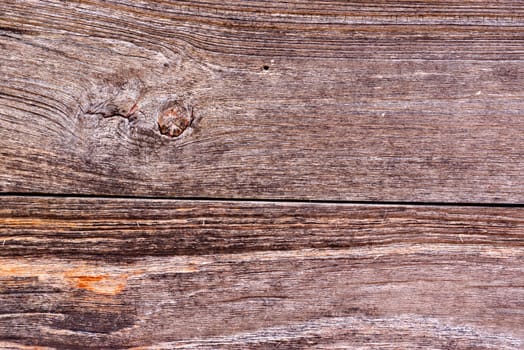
120	229
160	274
350	100
327	100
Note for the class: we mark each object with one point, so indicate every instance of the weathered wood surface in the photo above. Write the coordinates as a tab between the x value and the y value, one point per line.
122	229
383	101
163	274
344	100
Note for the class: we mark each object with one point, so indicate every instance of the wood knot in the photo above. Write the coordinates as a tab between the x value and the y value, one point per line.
174	119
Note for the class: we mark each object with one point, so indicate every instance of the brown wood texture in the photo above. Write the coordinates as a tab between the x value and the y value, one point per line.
195	132
336	100
164	274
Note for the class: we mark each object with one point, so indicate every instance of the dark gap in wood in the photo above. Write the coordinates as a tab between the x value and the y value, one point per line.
260	200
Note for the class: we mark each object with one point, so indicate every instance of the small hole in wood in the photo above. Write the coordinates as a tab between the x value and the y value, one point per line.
266	67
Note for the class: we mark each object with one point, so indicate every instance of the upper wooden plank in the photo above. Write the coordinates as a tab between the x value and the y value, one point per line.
331	100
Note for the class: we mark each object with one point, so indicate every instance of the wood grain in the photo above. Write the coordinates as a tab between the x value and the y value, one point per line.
261	101
164	274
131	228
333	100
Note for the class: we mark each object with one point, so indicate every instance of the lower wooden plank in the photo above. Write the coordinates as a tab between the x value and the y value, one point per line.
160	274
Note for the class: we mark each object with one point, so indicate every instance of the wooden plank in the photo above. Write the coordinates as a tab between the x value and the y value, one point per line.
396	101
130	228
160	274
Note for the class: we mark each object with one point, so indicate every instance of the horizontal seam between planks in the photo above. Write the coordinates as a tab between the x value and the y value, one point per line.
261	200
